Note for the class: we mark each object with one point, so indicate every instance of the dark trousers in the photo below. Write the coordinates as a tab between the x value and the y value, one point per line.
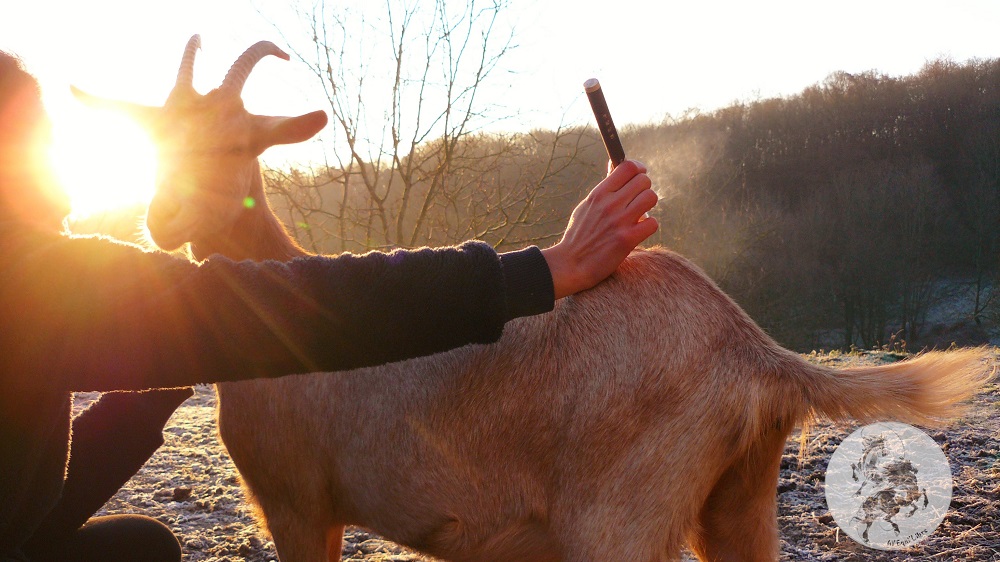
111	441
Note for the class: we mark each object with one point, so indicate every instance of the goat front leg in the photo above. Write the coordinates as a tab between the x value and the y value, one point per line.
299	541
334	543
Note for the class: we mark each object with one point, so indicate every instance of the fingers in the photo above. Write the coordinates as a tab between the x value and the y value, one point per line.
642	230
627	195
628	169
638	184
635	198
619	176
642	203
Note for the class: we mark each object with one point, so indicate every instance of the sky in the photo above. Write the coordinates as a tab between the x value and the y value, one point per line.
654	58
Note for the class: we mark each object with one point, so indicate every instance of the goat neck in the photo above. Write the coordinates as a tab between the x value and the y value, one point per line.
256	235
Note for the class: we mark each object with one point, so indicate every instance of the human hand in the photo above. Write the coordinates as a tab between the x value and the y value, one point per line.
608	224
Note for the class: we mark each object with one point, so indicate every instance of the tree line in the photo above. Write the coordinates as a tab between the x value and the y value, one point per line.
839	215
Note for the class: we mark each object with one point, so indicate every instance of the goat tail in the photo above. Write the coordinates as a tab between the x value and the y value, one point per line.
929	389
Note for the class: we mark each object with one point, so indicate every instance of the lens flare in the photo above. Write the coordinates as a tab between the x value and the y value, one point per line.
103	161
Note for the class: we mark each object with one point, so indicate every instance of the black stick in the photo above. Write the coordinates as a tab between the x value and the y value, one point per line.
604	123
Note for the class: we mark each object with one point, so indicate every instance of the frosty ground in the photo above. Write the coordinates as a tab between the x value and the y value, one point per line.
191	485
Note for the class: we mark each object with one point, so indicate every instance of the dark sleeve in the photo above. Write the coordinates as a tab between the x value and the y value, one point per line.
528	283
88	314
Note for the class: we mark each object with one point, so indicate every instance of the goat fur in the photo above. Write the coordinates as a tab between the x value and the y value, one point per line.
644	414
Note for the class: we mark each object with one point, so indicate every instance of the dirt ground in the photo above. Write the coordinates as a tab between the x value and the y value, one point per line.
192	486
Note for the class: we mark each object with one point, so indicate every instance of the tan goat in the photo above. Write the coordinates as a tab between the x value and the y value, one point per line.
645	414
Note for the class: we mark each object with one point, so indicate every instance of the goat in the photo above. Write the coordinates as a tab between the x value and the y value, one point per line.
642	415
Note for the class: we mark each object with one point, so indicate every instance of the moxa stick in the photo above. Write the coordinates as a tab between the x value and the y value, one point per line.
604	123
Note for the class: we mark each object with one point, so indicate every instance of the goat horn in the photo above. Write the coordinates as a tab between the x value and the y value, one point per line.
238	73
185	76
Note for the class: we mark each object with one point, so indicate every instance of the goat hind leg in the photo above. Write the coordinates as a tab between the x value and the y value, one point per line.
739	519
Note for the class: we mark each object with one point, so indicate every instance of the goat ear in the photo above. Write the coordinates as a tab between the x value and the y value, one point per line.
145	115
289	130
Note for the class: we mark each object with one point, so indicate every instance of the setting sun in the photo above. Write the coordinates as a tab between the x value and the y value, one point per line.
103	160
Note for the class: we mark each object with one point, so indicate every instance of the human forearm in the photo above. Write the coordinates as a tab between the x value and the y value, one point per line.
91	315
357	311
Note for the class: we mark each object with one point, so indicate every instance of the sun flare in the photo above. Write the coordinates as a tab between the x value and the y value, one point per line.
104	161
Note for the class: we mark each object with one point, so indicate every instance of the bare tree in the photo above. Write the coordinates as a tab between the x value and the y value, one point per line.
410	161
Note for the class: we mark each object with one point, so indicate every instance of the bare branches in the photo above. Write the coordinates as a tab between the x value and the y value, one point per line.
408	162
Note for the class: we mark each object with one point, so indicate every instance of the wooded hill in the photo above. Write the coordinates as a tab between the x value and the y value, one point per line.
852	205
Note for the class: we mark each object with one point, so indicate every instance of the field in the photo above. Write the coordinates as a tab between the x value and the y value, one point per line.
192	486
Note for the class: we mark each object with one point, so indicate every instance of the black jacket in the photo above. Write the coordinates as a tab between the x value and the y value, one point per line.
82	314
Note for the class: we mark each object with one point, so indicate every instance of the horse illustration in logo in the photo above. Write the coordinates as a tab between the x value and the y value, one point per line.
888	482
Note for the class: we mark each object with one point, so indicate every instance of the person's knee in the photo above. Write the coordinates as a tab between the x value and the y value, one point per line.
154	541
133	538
111	538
